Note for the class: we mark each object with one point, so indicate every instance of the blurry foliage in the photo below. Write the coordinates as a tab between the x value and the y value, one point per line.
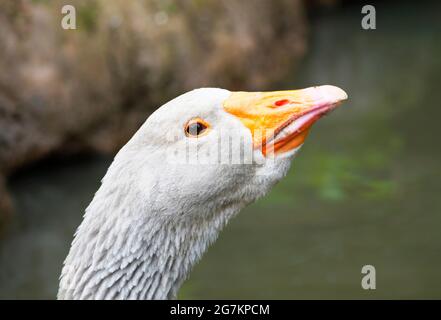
335	177
87	16
364	172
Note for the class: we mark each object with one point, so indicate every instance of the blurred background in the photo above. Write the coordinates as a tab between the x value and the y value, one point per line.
365	189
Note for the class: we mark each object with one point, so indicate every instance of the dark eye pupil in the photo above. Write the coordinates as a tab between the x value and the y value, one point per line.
196	128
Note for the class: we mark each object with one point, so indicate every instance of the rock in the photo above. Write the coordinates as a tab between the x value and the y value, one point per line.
89	89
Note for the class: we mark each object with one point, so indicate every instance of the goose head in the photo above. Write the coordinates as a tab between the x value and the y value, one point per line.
195	163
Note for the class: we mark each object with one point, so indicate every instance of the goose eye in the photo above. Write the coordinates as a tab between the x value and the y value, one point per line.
196	128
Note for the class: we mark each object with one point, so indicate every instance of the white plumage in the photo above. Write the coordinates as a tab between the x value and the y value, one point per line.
155	213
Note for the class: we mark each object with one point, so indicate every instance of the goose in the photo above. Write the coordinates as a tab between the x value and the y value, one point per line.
178	181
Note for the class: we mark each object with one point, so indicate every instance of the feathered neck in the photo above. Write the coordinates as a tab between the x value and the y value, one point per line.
123	251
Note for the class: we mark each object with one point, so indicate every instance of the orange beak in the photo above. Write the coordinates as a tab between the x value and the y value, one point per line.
279	121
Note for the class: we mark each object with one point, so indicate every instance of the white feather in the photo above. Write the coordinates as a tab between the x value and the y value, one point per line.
152	219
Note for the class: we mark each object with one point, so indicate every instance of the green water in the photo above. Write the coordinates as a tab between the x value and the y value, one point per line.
365	188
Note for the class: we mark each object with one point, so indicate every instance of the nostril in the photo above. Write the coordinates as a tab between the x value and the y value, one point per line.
282	102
